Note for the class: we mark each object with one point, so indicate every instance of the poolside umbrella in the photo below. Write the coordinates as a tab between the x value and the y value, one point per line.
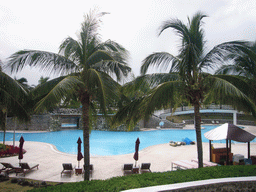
136	154
79	153
21	148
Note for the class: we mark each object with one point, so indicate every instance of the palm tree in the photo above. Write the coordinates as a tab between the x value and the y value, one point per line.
13	98
85	65
186	80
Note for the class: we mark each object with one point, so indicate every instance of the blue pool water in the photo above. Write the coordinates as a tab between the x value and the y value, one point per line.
106	142
68	125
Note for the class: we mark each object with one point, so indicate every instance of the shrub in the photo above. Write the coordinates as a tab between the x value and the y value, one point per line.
153	179
9	150
14	180
25	183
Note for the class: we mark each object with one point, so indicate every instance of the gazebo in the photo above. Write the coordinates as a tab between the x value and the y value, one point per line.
229	132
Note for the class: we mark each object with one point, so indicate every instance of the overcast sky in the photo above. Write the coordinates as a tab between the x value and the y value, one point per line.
43	25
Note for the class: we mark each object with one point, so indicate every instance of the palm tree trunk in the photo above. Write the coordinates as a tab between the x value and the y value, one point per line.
3	119
198	135
84	98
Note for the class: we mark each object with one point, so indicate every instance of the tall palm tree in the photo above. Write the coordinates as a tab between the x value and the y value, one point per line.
85	65
186	80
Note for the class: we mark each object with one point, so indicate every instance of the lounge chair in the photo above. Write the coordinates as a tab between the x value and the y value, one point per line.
193	164
128	168
9	168
206	163
67	168
183	164
145	167
25	167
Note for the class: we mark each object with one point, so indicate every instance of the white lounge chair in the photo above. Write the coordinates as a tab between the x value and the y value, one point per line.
206	163
183	165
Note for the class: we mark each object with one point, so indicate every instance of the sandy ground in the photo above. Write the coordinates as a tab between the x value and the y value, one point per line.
160	156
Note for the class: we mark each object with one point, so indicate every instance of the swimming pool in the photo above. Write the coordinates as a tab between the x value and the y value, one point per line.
108	142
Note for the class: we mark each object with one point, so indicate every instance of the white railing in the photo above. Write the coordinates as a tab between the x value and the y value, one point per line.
189	108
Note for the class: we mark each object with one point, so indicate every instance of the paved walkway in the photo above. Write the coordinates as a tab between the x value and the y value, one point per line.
160	156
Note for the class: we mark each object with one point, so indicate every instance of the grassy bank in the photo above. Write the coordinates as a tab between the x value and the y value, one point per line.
153	179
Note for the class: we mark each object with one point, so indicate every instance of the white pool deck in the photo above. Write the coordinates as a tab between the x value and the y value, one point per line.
160	156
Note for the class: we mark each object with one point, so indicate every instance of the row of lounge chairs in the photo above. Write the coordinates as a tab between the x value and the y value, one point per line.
68	168
17	168
193	164
129	168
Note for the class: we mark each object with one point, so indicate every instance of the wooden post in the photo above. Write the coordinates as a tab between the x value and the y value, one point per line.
249	150
230	145
227	158
210	149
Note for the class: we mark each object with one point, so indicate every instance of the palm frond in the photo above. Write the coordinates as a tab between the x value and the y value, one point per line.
148	81
11	85
98	57
243	64
162	96
113	68
113	46
142	107
91	24
219	52
56	90
102	87
111	57
42	90
46	61
228	70
191	51
196	32
180	28
130	114
230	90
71	49
158	60
13	96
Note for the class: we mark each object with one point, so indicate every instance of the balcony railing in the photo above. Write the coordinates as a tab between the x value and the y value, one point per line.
189	108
